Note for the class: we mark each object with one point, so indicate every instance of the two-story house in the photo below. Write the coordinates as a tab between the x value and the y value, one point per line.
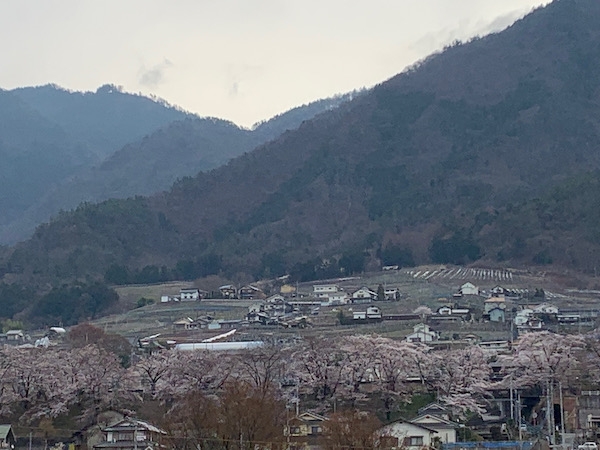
363	295
422	333
305	431
324	290
132	434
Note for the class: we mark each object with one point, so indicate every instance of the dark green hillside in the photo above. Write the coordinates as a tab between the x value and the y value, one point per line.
559	227
48	135
127	145
421	163
35	153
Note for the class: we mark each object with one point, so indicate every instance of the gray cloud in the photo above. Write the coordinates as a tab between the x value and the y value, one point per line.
155	75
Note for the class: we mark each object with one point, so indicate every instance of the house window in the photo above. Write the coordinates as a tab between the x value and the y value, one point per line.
294	430
315	429
416	441
125	437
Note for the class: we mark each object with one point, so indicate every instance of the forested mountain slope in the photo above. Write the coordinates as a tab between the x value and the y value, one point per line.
427	166
75	147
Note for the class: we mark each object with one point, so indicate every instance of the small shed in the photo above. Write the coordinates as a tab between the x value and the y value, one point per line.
7	437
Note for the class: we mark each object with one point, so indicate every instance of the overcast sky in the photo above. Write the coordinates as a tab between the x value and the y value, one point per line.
242	60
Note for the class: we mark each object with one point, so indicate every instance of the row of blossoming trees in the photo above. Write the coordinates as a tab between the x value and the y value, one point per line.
203	388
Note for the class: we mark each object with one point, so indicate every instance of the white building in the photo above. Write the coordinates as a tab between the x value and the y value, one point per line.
338	298
372	312
445	429
323	290
362	294
422	333
469	289
189	295
406	435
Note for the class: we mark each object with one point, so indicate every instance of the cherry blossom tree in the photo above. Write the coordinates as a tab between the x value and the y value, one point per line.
319	364
150	370
461	378
542	357
359	363
396	362
22	383
191	371
262	367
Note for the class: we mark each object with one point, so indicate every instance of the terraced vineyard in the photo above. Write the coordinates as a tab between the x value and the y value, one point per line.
466	273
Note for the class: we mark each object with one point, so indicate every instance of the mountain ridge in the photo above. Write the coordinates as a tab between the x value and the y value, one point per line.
428	163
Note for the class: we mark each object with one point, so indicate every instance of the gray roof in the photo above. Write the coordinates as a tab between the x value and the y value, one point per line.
4	429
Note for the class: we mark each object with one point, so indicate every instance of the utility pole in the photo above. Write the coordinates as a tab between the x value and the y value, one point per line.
519	415
548	414
512	400
562	415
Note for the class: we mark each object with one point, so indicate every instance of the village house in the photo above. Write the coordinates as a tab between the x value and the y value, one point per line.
435	409
496	315
547	309
190	295
523	316
7	437
132	434
228	291
304	431
250	292
445	429
268	311
15	336
391	293
588	412
363	295
338	298
168	298
276	304
260	317
533	324
406	435
372	312
494	347
324	290
257	307
187	323
494	309
498	291
469	289
422	333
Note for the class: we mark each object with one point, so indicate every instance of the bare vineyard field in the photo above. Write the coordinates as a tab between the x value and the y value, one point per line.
431	286
465	274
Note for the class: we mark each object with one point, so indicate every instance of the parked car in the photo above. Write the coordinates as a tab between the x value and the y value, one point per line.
588	446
